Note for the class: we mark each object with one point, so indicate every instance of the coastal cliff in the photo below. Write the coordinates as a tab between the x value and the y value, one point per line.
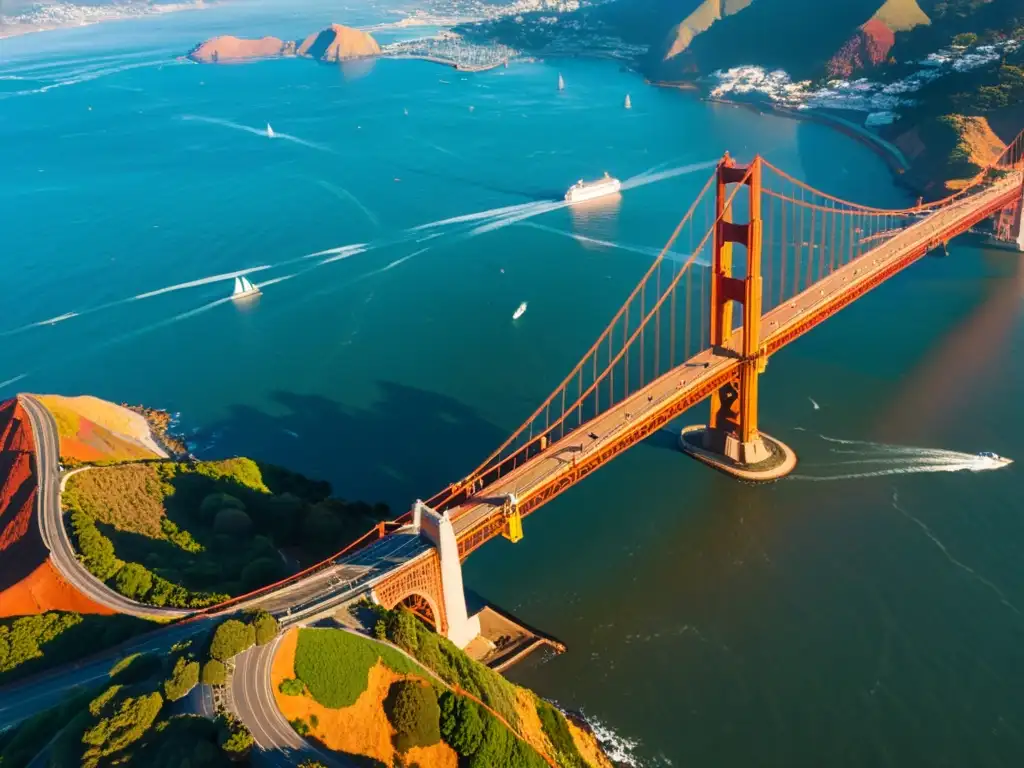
335	43
935	78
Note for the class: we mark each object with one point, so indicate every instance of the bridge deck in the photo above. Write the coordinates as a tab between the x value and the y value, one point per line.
568	460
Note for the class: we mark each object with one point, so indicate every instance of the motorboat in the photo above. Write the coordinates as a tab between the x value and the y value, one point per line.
520	311
995	457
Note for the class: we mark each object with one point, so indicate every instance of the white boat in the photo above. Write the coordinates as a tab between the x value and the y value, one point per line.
588	190
561	82
270	131
995	457
628	104
244	289
520	311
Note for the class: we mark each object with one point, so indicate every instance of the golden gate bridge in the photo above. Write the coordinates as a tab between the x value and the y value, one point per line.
784	257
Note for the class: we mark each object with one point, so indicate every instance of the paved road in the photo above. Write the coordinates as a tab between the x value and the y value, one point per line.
28	697
348	579
51	521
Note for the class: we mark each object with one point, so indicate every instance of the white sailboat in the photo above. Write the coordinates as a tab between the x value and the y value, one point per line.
244	289
270	131
628	104
520	311
561	82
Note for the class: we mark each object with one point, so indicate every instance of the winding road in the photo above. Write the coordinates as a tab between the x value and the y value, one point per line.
51	522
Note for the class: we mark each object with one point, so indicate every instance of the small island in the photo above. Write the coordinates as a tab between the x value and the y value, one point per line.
338	43
335	43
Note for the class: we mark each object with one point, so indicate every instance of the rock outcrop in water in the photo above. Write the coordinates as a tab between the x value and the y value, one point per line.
335	43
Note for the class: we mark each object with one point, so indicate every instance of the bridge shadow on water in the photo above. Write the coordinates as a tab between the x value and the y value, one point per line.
408	444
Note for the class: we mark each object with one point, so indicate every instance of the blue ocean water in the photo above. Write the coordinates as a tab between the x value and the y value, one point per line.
858	621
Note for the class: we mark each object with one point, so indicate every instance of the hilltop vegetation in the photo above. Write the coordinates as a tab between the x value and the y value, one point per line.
190	534
369	700
31	644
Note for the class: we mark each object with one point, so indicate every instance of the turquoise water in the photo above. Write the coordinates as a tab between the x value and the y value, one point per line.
821	620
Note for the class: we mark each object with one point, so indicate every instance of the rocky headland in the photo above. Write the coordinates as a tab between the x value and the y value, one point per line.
335	43
927	82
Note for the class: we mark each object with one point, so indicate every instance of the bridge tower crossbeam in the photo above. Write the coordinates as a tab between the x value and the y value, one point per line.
732	430
732	441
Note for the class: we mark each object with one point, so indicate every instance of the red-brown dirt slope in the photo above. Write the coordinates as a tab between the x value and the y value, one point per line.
29	584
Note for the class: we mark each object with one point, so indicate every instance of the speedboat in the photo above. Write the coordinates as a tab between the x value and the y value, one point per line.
520	311
994	457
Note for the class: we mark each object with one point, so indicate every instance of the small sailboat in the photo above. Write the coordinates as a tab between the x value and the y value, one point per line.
628	104
561	82
520	311
244	289
270	131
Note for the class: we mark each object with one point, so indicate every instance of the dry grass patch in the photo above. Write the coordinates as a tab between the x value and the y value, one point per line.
129	498
359	729
589	748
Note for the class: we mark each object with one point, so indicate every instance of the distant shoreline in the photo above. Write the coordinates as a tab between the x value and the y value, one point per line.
9	31
893	158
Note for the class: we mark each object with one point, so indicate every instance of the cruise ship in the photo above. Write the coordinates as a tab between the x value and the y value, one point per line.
588	190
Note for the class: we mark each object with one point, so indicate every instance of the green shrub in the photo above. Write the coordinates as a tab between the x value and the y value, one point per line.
130	719
21	639
498	746
234	738
335	664
232	522
301	726
96	549
557	730
133	581
182	680
214	673
965	39
380	629
403	630
181	539
292	686
265	626
462	726
411	707
231	638
215	502
452	665
314	721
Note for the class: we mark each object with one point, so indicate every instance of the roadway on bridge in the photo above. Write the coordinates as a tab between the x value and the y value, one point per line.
698	377
320	593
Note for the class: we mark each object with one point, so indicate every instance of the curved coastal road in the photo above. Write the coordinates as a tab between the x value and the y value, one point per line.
51	521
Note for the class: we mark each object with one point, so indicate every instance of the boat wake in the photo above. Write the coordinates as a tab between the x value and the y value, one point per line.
63	80
343	194
200	281
882	459
640	249
643	179
262	132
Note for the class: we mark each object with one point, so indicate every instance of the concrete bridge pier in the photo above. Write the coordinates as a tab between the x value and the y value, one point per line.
437	528
431	585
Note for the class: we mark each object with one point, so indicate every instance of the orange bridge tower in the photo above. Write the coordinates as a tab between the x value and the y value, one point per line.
731	441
